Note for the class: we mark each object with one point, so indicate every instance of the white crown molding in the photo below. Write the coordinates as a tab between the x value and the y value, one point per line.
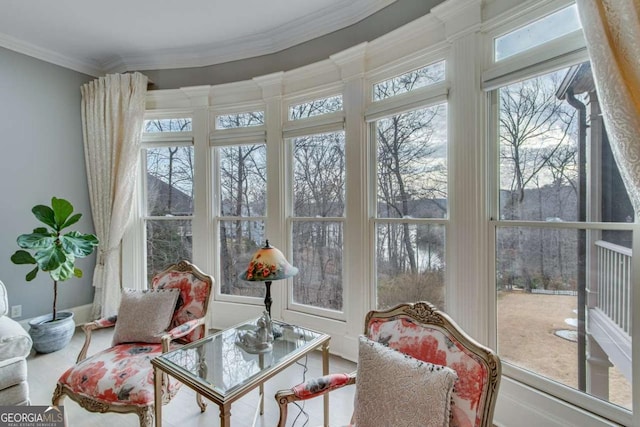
411	33
271	84
198	95
311	78
405	43
461	17
11	43
351	61
314	25
241	94
176	98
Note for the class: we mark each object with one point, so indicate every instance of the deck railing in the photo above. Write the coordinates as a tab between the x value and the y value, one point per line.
614	283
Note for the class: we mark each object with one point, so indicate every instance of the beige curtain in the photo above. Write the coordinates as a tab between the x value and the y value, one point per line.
112	117
612	30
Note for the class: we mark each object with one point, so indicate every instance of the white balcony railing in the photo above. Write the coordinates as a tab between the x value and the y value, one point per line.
614	283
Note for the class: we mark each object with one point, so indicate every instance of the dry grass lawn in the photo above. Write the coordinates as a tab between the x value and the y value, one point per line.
526	330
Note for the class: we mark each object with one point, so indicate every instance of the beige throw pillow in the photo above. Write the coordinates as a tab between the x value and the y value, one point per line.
144	316
394	389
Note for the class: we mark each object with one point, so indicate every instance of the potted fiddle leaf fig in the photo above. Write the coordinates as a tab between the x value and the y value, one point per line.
55	252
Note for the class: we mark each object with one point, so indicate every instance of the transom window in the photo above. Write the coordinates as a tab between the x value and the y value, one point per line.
316	107
541	31
240	120
407	82
167	125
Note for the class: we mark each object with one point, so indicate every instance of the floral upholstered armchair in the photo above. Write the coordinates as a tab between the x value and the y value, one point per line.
120	378
424	333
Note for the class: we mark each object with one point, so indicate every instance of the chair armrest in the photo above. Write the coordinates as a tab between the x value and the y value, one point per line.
180	331
309	389
105	322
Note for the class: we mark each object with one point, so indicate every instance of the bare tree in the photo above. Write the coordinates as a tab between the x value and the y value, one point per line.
534	124
169	190
537	157
411	183
242	194
411	170
319	191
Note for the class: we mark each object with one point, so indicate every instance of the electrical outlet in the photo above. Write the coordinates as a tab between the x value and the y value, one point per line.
16	311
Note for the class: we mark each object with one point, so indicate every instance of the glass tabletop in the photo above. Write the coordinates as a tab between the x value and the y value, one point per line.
219	363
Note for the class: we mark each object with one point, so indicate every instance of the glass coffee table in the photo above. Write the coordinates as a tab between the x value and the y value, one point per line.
218	369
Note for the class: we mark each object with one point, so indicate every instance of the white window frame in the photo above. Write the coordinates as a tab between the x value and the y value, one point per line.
135	239
323	123
225	138
422	97
557	54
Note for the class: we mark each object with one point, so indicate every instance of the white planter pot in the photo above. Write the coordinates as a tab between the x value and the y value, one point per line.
51	336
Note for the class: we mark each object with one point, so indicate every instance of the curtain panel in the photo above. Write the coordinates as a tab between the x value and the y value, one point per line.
113	109
612	31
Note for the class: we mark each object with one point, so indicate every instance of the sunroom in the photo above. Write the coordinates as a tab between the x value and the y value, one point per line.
461	159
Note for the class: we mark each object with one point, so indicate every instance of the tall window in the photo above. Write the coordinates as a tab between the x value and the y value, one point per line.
562	221
168	183
318	213
411	194
242	201
562	269
318	206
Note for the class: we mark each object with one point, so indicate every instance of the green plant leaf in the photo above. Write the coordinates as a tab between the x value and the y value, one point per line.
32	274
75	218
45	214
61	211
79	244
22	257
64	272
36	240
50	258
50	251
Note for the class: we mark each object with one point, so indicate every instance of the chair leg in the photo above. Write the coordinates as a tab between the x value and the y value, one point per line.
146	416
58	395
201	403
283	406
56	400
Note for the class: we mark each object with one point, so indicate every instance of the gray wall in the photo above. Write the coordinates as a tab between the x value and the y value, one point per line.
42	157
391	17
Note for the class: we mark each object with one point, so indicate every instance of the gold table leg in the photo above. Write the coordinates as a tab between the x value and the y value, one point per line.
261	361
157	396
325	371
225	415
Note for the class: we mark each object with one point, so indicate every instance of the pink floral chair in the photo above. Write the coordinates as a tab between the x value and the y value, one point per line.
120	378
423	332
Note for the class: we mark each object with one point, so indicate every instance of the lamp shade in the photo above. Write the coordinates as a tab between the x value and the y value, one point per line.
268	264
